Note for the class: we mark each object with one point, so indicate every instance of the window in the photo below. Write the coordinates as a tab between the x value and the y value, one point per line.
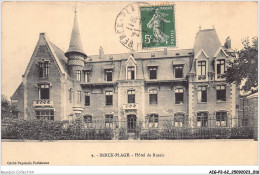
179	96
78	75
45	115
153	97
87	76
130	73
202	119
221	93
70	94
88	120
202	94
131	96
108	75
44	91
87	99
109	121
202	68
153	73
179	71
79	96
220	66
221	118
44	69
153	121
178	120
109	98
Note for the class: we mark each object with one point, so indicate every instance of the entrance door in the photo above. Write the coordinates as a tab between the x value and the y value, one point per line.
131	123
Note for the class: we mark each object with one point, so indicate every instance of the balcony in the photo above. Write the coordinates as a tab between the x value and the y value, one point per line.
130	106
43	103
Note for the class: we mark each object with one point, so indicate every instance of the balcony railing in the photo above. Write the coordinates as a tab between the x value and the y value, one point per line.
43	103
130	106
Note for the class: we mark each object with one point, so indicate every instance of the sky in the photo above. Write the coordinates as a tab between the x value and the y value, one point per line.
23	21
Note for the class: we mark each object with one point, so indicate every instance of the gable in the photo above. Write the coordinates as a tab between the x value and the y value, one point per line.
220	53
201	55
131	61
44	51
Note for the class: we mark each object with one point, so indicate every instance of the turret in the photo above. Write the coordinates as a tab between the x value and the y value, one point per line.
75	53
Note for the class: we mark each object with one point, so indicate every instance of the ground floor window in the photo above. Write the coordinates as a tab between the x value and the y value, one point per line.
45	115
178	120
109	121
221	118
88	120
202	119
153	121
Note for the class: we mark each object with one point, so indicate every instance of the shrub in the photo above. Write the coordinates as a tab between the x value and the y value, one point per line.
150	134
123	135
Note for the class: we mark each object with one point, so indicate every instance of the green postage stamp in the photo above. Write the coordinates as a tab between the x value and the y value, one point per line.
158	26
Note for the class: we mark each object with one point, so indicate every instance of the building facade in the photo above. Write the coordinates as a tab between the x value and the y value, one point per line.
186	86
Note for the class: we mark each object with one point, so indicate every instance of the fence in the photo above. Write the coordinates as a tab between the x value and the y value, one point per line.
108	129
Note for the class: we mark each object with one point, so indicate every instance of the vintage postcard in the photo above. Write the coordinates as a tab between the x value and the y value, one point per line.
129	83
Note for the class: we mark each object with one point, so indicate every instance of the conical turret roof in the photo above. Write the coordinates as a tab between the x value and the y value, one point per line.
75	39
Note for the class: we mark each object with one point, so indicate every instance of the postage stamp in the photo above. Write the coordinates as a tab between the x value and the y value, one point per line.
158	26
127	26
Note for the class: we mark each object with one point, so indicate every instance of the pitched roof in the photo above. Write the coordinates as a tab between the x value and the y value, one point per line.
60	54
208	41
75	40
18	92
144	55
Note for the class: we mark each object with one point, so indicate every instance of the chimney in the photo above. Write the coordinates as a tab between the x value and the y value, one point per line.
228	43
101	53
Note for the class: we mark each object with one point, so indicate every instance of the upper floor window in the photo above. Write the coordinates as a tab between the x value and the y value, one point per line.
179	96
178	120
131	73
202	94
44	91
131	96
202	119
45	115
87	99
153	73
44	69
70	94
108	75
109	98
79	96
201	68
153	121
109	121
221	118
87	76
78	75
153	97
221	92
220	66
178	71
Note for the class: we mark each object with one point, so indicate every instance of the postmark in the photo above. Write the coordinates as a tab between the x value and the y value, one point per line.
127	26
158	26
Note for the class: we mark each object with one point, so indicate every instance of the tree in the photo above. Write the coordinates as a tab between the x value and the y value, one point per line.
7	109
245	68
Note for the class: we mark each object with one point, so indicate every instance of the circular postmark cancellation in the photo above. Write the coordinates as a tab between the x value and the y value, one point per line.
128	26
